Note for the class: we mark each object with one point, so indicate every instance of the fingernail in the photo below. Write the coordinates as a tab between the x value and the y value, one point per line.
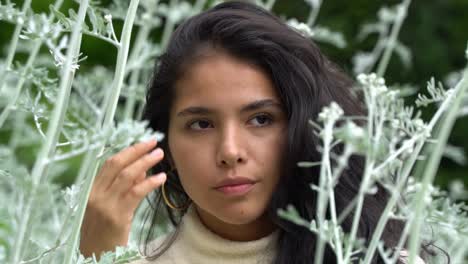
152	141
157	152
158	177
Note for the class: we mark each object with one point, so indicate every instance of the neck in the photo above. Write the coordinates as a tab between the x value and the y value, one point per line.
255	230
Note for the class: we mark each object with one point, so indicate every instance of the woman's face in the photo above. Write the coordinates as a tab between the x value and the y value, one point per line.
227	122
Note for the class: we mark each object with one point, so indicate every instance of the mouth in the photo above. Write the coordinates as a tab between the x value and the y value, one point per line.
236	189
235	186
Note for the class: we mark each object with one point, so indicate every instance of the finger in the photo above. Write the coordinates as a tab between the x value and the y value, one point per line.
135	172
134	196
114	164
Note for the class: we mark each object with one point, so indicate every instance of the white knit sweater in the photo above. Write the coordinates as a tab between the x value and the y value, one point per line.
195	244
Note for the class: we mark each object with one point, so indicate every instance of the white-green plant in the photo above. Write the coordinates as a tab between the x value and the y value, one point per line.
70	123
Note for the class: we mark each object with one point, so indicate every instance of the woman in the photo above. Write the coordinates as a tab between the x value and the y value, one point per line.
233	94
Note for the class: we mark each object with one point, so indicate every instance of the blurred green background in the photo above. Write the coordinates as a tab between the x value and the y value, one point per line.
436	32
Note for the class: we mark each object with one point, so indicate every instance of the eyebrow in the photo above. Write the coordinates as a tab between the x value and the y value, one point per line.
199	110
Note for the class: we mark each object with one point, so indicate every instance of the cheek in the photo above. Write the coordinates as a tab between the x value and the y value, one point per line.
268	155
191	159
280	152
271	147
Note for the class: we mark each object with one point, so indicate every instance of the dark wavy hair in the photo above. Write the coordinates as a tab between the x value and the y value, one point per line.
305	81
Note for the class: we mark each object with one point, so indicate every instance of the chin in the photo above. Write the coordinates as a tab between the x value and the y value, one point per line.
239	215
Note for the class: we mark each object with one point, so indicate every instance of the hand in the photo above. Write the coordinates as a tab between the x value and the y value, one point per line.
117	191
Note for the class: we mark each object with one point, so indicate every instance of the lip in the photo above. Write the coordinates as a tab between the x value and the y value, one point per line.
235	186
234	181
239	189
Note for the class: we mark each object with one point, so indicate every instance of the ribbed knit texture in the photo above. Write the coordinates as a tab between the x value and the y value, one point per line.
196	244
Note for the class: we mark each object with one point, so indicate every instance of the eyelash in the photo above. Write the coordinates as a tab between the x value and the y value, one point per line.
268	116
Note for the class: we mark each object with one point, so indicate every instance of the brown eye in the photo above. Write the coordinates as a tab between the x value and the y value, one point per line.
262	120
199	125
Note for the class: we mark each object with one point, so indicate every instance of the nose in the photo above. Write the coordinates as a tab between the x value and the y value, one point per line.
230	149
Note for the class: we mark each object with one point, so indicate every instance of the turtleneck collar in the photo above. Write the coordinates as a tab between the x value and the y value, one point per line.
195	234
195	244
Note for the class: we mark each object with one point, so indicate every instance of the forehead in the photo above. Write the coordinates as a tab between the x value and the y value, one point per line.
220	80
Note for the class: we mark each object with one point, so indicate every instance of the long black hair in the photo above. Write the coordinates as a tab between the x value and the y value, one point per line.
305	81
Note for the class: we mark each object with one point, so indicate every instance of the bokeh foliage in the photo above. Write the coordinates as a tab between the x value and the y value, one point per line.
435	31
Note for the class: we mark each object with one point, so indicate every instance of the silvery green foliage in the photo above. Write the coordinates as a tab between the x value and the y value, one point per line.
324	34
8	167
396	129
14	190
175	13
151	12
101	23
80	133
9	13
60	57
446	222
318	33
21	48
456	154
39	77
457	190
39	26
144	60
123	135
302	28
326	232
128	132
451	80
314	3
119	255
437	94
364	61
147	12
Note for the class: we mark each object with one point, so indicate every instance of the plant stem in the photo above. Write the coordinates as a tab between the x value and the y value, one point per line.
459	254
198	6
390	204
139	113
433	163
331	197
111	105
122	57
401	243
269	5
376	51
313	14
53	131
32	57
326	187
369	165
13	44
337	238
11	103
407	168
142	36
18	125
168	26
85	169
402	12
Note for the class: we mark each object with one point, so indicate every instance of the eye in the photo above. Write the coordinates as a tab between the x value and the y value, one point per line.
198	125
262	120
